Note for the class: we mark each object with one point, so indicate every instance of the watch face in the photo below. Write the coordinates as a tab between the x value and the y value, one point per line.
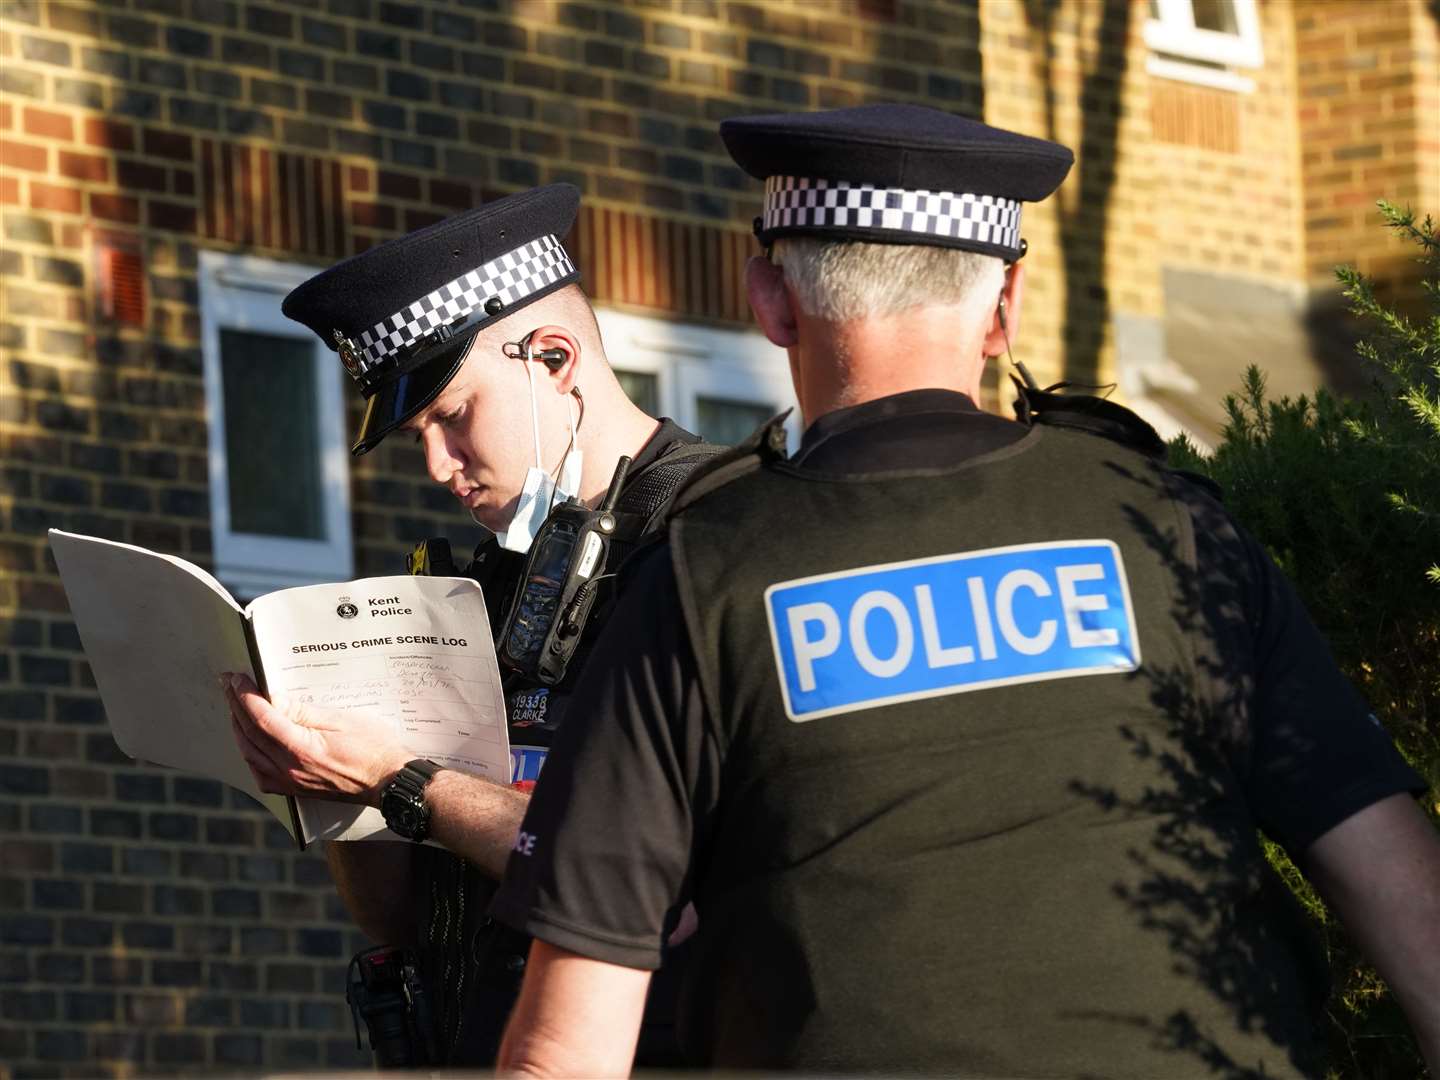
403	806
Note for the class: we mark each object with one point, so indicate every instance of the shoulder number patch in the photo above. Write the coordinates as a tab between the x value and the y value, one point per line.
901	631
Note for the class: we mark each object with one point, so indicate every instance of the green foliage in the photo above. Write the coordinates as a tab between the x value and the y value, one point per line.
1345	495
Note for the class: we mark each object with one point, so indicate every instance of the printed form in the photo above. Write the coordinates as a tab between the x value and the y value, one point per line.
414	652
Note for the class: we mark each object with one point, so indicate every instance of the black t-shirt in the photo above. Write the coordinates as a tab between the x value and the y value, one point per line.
627	794
472	971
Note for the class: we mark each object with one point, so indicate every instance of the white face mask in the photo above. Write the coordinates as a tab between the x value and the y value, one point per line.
540	493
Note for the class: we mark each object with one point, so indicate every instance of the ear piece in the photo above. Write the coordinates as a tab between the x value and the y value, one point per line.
554	359
1018	365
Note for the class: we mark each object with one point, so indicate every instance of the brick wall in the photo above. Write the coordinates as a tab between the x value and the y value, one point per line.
1074	72
1237	210
1369	88
153	923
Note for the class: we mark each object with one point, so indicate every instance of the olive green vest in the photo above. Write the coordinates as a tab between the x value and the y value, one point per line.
986	873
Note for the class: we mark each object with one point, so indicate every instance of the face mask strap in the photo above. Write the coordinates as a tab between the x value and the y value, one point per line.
520	350
574	432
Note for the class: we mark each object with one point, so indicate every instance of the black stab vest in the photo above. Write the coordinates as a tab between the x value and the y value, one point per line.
1056	877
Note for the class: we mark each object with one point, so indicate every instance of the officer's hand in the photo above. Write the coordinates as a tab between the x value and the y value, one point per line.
299	749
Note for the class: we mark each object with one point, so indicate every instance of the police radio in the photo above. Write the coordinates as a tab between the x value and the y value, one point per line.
558	587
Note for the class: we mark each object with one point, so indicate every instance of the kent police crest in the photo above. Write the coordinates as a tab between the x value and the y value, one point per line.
349	356
347	610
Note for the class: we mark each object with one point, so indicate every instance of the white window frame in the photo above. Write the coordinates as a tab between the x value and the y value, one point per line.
243	292
1175	35
690	361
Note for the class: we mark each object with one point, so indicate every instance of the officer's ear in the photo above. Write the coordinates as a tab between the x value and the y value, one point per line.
771	302
557	351
1004	325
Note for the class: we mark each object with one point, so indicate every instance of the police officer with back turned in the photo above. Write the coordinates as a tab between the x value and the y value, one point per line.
956	731
471	337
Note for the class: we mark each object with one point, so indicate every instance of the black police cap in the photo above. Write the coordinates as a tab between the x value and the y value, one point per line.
402	314
898	174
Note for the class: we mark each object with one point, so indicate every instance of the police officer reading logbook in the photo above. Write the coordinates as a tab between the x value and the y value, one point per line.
472	337
956	731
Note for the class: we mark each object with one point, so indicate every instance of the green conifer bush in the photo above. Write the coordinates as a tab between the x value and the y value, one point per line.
1345	495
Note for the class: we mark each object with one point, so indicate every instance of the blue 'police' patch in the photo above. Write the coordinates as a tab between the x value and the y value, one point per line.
525	765
882	634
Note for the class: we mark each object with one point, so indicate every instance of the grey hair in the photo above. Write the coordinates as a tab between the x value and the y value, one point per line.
839	281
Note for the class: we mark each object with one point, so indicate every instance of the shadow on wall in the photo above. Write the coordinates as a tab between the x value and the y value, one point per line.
1334	332
1084	227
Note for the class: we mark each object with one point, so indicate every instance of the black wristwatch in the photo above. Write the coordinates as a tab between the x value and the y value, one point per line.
403	801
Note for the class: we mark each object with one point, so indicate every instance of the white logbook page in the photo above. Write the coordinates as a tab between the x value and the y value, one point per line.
414	652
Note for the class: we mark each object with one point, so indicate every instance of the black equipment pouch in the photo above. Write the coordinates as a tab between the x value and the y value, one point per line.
383	988
557	591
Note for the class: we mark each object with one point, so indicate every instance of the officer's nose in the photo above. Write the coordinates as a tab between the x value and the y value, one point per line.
440	461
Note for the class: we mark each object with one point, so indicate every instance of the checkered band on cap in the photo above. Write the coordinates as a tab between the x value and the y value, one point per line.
796	201
511	277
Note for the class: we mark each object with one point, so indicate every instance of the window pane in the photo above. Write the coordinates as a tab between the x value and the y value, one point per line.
1217	15
642	388
271	450
726	422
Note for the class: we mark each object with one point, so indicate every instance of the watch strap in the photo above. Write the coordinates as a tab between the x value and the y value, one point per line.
403	801
414	776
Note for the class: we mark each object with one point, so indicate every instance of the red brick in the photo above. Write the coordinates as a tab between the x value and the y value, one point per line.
447	193
51	197
50	125
399	185
84	166
1393	35
111	134
418	219
74	19
168	144
28	855
172	216
23	156
9	191
357	178
7	116
120	208
369	215
139	175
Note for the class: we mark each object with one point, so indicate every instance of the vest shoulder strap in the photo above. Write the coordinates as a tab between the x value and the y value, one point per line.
765	444
642	506
1096	416
1090	414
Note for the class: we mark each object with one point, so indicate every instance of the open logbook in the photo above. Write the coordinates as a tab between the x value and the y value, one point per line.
158	631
